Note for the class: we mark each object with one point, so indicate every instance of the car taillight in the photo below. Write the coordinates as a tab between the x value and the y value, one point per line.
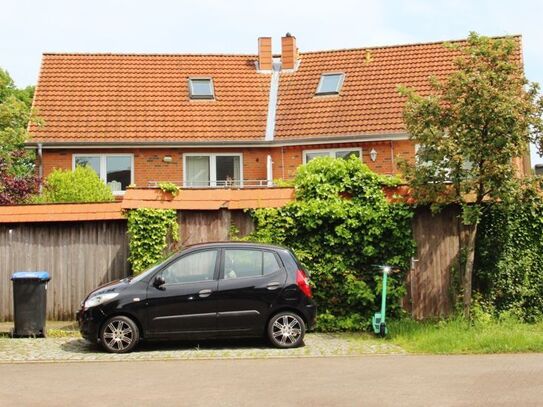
303	283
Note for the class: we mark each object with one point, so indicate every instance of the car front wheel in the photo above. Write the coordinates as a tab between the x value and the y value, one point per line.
119	334
286	330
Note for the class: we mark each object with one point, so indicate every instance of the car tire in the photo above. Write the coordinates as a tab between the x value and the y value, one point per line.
286	330
119	334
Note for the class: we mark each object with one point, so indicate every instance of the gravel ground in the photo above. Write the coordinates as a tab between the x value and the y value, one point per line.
73	348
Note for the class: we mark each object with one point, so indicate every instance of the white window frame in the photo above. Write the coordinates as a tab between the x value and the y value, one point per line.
201	97
213	166
339	84
331	152
103	164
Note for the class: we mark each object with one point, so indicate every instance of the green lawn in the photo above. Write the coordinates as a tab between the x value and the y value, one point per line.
459	336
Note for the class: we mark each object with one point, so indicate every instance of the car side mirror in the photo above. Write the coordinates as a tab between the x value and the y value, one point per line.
158	282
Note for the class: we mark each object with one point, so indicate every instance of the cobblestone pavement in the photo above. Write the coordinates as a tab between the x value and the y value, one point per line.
76	349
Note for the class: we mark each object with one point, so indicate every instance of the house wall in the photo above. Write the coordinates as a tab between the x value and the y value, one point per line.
149	164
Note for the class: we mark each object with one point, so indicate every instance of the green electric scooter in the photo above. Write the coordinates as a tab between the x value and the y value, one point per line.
379	319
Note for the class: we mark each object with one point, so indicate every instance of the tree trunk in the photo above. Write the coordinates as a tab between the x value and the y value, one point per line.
468	271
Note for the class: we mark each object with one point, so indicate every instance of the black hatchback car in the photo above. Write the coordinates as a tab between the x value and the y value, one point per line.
205	291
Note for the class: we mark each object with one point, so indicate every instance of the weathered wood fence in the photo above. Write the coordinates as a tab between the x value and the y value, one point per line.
79	256
430	285
82	255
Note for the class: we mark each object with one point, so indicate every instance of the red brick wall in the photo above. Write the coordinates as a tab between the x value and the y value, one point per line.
149	164
287	159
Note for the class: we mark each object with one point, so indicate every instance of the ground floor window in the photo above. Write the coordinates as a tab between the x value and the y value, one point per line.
334	153
213	170
116	170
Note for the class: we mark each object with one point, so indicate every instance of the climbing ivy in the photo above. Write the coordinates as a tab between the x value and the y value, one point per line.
150	230
509	262
341	224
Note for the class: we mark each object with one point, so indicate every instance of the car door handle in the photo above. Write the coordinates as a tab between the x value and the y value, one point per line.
204	293
273	286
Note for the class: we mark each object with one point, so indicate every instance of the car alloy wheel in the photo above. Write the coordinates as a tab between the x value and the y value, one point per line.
286	330
119	335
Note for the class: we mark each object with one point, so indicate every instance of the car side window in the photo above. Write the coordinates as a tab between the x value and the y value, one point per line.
269	263
239	263
199	266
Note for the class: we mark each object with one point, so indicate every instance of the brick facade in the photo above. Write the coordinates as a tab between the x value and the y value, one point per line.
149	164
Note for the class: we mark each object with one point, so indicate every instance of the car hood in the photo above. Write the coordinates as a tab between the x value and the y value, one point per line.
111	287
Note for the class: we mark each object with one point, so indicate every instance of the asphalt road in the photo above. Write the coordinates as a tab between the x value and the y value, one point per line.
346	381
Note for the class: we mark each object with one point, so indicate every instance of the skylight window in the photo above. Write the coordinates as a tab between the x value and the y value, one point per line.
330	83
201	88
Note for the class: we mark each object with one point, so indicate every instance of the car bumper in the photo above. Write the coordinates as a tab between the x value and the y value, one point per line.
311	315
89	321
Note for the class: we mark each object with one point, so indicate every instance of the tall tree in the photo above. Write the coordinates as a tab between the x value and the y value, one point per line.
469	129
17	177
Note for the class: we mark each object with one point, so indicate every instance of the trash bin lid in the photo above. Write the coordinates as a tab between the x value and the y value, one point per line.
31	275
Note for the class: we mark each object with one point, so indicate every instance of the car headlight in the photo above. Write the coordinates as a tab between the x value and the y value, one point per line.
99	299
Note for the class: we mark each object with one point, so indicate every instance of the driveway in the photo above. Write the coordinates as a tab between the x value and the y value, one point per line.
342	381
73	348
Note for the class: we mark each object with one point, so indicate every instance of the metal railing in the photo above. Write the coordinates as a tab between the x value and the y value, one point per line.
236	184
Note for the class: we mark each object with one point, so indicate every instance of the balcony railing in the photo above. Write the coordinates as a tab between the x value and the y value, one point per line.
236	184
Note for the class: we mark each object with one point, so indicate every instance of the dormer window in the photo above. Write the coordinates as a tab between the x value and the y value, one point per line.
201	88
330	84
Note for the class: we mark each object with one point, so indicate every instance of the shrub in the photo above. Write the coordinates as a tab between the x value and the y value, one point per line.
79	185
339	226
509	263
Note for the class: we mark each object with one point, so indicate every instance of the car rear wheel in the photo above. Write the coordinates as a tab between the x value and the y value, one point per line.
286	330
119	334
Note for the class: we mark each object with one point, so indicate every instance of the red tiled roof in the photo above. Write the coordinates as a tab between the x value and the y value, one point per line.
124	98
368	102
144	98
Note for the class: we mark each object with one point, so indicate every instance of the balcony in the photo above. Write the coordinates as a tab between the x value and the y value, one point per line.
226	184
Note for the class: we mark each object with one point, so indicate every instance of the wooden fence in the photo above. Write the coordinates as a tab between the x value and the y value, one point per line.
80	256
430	285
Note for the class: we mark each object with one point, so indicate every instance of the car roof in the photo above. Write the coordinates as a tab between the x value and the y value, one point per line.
234	243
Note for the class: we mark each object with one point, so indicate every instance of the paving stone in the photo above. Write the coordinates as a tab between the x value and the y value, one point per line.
72	348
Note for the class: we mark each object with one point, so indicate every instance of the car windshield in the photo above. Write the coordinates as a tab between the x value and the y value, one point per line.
147	272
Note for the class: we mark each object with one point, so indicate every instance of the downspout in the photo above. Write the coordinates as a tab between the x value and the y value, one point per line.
269	170
392	166
283	163
40	166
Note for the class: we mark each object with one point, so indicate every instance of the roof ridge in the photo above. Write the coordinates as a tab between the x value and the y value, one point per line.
405	45
149	54
173	54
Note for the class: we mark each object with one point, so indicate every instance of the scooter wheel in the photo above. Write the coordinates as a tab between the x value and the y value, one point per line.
382	330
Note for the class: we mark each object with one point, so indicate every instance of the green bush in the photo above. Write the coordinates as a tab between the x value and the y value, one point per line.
79	185
509	264
339	226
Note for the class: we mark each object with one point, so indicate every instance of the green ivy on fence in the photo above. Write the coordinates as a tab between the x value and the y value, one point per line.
150	231
509	258
340	225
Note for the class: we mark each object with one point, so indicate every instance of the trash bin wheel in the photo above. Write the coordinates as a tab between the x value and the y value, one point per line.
119	334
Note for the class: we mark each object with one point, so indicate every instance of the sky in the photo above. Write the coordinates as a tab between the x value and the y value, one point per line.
30	27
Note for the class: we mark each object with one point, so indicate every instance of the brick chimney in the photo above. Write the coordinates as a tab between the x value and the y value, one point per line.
289	52
265	53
